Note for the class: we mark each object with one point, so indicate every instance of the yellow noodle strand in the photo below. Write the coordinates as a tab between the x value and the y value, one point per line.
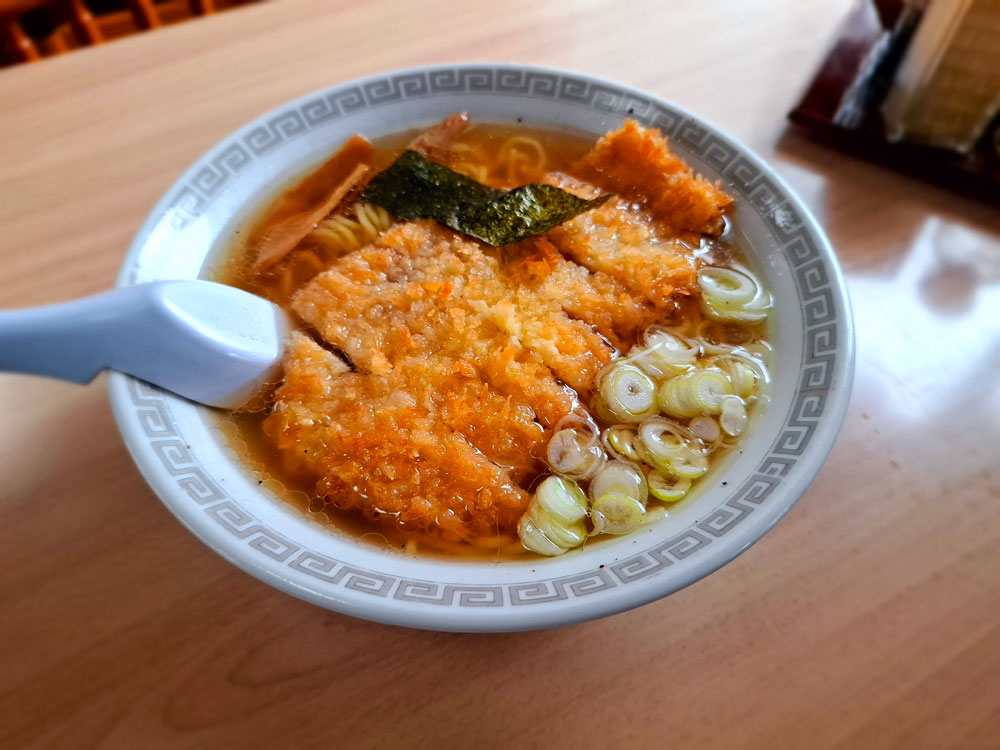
526	149
477	172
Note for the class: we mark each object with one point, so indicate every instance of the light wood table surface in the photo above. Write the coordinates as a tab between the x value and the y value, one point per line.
869	618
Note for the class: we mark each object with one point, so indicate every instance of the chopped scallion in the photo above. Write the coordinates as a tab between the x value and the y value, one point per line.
561	498
664	353
618	477
565	535
705	428
573	454
615	513
533	539
733	419
623	440
554	521
726	287
669	448
667	487
693	393
628	393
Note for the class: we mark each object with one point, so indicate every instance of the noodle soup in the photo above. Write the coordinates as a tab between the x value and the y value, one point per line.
452	392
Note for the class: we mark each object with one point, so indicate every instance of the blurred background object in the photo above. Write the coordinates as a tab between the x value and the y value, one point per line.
947	89
33	29
915	85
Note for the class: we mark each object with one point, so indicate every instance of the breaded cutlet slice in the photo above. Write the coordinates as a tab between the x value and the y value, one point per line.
377	325
501	428
595	297
573	351
501	425
637	164
421	287
378	444
629	245
376	322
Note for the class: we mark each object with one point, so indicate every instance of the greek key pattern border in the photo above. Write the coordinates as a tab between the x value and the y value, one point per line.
749	184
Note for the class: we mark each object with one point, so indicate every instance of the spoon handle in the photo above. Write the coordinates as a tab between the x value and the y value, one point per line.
209	342
74	340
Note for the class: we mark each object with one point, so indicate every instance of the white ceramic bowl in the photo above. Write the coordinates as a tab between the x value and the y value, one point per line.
180	453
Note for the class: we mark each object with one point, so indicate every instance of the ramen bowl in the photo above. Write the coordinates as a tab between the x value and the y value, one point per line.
186	460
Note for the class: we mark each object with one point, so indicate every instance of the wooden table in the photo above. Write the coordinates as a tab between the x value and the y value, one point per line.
869	618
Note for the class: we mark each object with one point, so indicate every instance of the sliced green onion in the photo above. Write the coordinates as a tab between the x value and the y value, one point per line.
574	455
690	466
554	521
670	450
728	294
753	312
617	514
705	428
670	343
654	514
565	535
562	499
706	388
661	438
744	379
672	401
726	288
710	347
664	353
628	392
623	440
746	374
760	351
533	539
618	477
693	393
667	487
602	412
734	417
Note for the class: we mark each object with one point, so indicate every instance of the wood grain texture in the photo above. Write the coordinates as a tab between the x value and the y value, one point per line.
869	618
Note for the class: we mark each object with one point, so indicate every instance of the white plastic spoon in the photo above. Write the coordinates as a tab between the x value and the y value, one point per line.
208	342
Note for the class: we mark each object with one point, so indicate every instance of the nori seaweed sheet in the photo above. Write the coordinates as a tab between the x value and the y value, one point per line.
414	187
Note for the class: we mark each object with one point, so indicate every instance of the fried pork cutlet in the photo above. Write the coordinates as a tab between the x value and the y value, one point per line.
637	163
422	288
378	443
377	324
640	237
628	244
403	330
597	298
